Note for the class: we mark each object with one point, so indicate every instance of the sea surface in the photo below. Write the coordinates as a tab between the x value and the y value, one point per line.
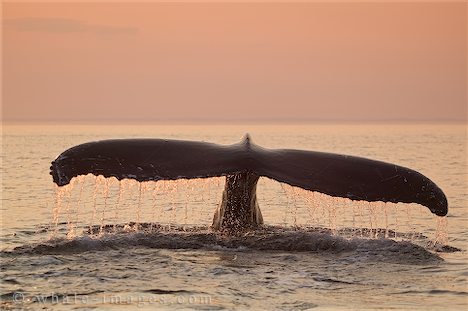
108	245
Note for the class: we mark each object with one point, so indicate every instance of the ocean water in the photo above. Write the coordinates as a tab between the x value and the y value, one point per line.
101	244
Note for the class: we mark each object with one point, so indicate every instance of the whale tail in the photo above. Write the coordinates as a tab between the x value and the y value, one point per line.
336	175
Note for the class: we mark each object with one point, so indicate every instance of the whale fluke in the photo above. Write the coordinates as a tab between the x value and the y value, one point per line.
336	175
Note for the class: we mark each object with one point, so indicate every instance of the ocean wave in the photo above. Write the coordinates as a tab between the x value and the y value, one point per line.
315	240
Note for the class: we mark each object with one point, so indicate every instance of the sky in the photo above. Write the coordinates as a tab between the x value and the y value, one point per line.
317	61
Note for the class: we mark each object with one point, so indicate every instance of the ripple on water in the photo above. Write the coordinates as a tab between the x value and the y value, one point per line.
266	239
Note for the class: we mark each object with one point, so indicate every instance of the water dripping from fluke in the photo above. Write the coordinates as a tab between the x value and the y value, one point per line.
328	202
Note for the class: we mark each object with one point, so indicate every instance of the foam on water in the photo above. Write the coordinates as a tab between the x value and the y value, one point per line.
269	238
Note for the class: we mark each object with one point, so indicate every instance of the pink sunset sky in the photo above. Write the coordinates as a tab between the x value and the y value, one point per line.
346	61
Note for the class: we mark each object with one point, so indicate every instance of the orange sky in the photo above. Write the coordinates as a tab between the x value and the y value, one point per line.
234	61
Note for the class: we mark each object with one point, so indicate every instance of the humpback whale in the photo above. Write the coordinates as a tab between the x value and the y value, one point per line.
337	175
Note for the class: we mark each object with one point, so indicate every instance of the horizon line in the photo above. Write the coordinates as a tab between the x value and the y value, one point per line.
289	121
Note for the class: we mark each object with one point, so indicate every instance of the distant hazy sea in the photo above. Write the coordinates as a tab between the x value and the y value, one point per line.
42	268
